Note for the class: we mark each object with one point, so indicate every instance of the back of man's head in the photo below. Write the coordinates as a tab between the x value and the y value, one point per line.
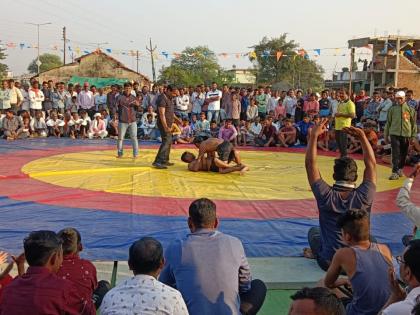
356	224
202	213
345	169
412	258
145	256
39	246
71	240
316	301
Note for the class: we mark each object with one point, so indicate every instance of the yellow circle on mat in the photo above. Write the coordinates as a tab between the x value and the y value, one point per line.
272	175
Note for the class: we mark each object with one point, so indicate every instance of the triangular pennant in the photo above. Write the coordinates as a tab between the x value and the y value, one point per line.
278	55
317	51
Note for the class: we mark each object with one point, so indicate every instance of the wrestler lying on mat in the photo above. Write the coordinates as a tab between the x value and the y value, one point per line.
211	164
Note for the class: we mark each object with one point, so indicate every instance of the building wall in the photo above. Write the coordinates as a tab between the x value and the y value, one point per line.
410	81
94	65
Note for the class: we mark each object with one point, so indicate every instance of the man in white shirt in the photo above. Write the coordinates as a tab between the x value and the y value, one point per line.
25	94
182	102
143	293
399	302
36	98
290	102
86	100
213	99
16	97
273	101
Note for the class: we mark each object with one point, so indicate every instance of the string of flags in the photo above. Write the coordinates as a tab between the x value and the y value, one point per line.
168	55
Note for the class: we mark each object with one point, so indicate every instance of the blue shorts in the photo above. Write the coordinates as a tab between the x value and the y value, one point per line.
324	113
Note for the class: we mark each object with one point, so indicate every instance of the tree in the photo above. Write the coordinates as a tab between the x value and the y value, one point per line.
3	67
292	68
195	65
48	61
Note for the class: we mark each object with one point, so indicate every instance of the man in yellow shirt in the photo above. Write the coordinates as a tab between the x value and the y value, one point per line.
346	111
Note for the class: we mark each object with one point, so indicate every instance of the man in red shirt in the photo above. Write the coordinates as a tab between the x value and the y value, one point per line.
40	291
81	272
268	134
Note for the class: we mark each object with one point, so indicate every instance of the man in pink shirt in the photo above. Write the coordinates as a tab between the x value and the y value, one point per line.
228	132
311	106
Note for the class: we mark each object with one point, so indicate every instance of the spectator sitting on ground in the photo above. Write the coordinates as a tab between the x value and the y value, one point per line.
244	133
287	134
150	111
38	126
176	132
81	272
400	302
202	127
267	136
97	128
409	208
254	130
214	130
365	263
40	290
143	293
323	138
210	268
74	126
84	127
342	196
149	128
316	301
303	127
113	127
55	125
228	132
186	132
11	125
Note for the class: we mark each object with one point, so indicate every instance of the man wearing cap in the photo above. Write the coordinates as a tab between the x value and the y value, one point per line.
400	129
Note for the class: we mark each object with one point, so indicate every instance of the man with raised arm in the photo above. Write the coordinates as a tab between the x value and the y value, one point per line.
335	200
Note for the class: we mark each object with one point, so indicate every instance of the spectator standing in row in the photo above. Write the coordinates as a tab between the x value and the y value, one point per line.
5	97
225	102
100	100
400	129
36	97
346	111
262	101
86	100
16	97
197	100
384	106
210	268
127	105
290	103
182	102
213	98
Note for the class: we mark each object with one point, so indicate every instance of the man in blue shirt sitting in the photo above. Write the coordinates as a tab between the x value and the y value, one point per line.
210	268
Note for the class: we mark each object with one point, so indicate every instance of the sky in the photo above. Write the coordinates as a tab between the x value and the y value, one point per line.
230	26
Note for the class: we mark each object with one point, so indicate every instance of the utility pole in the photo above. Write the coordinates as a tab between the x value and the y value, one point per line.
152	50
137	59
64	46
38	62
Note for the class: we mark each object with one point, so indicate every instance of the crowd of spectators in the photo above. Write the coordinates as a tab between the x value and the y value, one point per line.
207	272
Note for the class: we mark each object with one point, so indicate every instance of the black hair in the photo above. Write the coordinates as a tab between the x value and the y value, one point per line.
127	84
356	223
170	88
325	301
39	246
199	139
203	212
145	255
71	239
416	309
184	156
345	169
412	258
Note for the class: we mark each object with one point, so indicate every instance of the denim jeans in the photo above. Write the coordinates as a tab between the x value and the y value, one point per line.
122	130
213	115
314	240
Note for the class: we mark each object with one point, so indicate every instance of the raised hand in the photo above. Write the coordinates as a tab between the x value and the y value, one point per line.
321	127
358	133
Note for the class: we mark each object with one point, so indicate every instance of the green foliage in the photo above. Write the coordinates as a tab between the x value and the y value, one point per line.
48	61
3	67
195	65
291	69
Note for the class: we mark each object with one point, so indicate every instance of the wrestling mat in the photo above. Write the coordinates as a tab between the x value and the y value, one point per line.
55	183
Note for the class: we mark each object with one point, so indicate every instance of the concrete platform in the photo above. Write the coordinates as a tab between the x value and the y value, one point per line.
285	273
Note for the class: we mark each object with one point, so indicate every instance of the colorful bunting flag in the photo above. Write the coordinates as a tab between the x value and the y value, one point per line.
278	55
